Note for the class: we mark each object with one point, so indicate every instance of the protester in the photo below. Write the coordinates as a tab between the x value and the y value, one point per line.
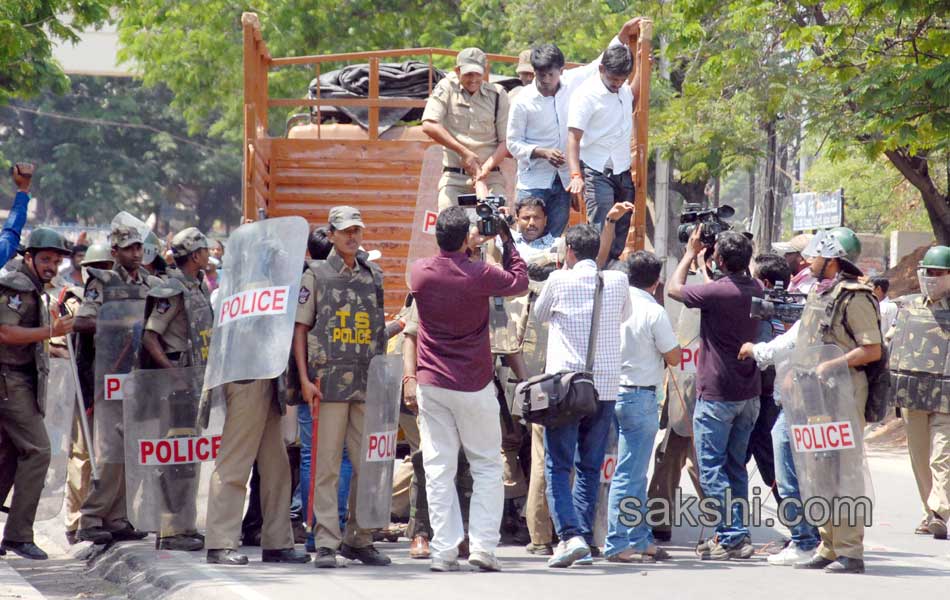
600	130
537	127
567	304
24	328
727	389
456	396
10	236
647	345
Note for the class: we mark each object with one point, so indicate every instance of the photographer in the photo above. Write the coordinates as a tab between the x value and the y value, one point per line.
456	396
727	389
10	236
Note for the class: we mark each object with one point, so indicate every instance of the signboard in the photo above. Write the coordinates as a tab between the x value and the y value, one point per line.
817	210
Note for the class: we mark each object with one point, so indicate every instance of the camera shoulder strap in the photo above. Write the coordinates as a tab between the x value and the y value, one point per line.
595	323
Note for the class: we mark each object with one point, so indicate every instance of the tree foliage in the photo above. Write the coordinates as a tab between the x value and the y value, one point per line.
110	144
27	31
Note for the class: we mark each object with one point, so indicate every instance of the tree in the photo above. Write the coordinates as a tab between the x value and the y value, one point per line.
882	68
27	31
111	145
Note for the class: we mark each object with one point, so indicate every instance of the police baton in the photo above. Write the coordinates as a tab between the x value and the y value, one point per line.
81	407
314	434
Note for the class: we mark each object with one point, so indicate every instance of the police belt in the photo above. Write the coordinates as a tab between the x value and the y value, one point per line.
639	388
462	171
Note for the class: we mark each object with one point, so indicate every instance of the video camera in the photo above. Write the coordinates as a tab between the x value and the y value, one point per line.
710	220
784	306
486	210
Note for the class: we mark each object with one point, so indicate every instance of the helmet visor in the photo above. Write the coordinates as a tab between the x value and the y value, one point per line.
825	245
934	288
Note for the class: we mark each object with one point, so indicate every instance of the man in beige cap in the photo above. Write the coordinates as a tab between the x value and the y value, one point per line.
104	518
468	117
340	328
178	323
802	279
525	73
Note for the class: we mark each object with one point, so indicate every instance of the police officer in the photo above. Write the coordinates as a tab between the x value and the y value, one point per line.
844	314
920	376
104	518
340	328
178	322
525	74
78	470
468	117
24	328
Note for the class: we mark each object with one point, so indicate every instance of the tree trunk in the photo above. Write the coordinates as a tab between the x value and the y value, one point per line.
916	170
768	217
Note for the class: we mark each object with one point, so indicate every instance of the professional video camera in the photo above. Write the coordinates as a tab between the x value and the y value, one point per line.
784	306
710	220
486	210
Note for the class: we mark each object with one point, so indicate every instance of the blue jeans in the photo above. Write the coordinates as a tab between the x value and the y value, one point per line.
302	493
580	446
601	192
721	431
637	424
804	535
557	205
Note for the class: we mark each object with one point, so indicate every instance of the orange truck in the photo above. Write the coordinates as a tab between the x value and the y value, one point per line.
389	176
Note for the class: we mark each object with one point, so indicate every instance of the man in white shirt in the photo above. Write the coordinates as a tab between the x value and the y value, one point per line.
888	307
600	126
647	345
537	127
567	302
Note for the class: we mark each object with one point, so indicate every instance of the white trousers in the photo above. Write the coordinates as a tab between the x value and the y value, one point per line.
449	420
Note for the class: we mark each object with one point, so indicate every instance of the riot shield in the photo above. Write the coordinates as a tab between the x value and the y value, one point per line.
168	458
681	399
374	489
118	337
607	469
824	424
422	242
257	303
60	403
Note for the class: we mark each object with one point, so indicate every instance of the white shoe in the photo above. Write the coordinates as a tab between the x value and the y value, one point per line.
569	552
440	565
584	561
486	561
790	555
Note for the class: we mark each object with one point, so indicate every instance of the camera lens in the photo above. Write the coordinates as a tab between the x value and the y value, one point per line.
684	231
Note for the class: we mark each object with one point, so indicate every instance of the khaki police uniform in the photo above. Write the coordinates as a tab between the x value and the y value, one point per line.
251	433
862	315
105	505
479	122
170	320
24	443
321	306
78	469
925	408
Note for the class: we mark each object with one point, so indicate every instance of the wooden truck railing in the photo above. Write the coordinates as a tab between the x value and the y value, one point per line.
306	174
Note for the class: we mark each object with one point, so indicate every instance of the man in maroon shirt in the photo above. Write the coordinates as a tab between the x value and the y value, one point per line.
456	395
727	388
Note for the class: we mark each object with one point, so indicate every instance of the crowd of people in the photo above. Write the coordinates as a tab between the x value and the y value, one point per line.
528	356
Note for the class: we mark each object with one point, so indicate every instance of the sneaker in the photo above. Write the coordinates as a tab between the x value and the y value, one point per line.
716	551
568	552
584	561
325	558
539	549
368	555
790	555
486	561
443	566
